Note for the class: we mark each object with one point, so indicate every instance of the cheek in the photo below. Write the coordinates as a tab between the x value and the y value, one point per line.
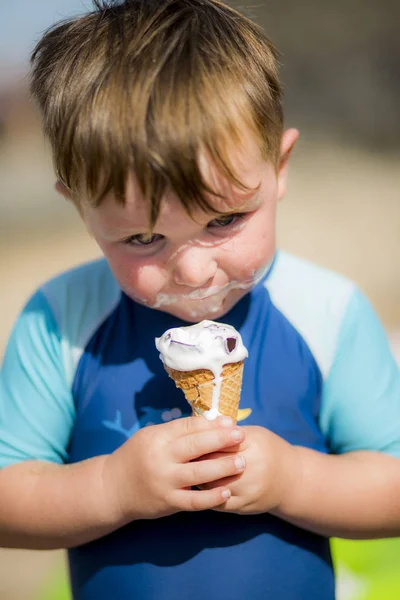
146	281
138	279
256	249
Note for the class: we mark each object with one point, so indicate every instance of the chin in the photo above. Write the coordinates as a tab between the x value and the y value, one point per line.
193	317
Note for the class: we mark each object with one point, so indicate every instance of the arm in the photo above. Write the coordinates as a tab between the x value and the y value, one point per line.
360	411
353	492
47	504
355	495
58	506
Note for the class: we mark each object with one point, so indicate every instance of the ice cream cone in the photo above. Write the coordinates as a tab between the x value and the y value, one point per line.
206	362
198	388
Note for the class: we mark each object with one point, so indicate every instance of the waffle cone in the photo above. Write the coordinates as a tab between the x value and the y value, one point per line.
198	388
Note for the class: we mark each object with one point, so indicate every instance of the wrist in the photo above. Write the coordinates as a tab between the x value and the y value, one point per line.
291	476
112	510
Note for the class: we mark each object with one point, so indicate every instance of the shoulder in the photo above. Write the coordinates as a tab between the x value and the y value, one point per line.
41	358
314	299
89	290
360	397
80	299
86	278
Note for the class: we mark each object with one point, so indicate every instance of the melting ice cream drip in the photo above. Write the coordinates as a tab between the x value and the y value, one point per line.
205	345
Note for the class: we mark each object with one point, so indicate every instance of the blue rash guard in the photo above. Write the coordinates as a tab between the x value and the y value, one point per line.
81	374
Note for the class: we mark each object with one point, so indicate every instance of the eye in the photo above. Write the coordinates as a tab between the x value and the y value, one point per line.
226	220
143	239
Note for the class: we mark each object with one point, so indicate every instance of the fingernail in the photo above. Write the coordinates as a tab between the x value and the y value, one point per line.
236	434
226	421
239	463
226	494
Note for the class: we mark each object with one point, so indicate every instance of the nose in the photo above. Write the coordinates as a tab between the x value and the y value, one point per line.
194	267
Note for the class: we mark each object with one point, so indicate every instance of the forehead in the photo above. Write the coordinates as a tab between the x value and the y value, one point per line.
136	211
247	165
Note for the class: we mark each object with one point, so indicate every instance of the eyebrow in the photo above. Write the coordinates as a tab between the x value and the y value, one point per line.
250	200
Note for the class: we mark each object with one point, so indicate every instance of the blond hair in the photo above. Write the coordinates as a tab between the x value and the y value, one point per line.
146	86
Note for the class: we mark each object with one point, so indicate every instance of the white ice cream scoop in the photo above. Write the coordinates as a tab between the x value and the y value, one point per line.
204	346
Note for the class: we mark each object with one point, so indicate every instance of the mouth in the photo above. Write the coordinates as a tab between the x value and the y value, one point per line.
202	294
199	295
193	296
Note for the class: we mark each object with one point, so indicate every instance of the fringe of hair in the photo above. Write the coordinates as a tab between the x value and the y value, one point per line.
149	86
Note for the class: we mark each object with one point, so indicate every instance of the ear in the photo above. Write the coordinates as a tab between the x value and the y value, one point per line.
62	189
289	139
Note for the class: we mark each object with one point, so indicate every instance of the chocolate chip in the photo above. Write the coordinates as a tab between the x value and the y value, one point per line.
231	344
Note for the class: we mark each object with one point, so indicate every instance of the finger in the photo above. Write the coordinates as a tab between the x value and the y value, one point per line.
229	450
190	447
225	482
196	500
233	505
216	455
197	473
244	445
189	425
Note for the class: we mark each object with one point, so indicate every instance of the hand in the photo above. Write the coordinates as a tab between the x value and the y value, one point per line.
270	472
152	474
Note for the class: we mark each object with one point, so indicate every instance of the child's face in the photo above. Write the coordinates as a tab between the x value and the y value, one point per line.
195	267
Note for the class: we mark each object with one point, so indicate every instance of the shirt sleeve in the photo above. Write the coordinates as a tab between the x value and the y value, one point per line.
361	395
36	404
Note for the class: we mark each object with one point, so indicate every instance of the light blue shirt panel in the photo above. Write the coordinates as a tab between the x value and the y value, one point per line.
81	299
314	300
37	408
360	406
36	405
361	396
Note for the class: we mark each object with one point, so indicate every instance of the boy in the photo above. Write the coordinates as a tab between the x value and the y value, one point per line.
166	126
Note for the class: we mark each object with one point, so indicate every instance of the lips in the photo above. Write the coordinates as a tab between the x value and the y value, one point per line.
203	294
198	295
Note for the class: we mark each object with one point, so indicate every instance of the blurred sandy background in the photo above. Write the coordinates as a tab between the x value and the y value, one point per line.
341	70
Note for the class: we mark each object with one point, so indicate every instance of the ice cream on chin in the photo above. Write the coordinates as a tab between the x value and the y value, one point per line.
206	361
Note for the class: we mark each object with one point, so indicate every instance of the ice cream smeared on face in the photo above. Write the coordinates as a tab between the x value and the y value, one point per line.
204	346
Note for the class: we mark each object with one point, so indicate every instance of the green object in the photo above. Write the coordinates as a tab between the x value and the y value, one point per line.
367	570
57	588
